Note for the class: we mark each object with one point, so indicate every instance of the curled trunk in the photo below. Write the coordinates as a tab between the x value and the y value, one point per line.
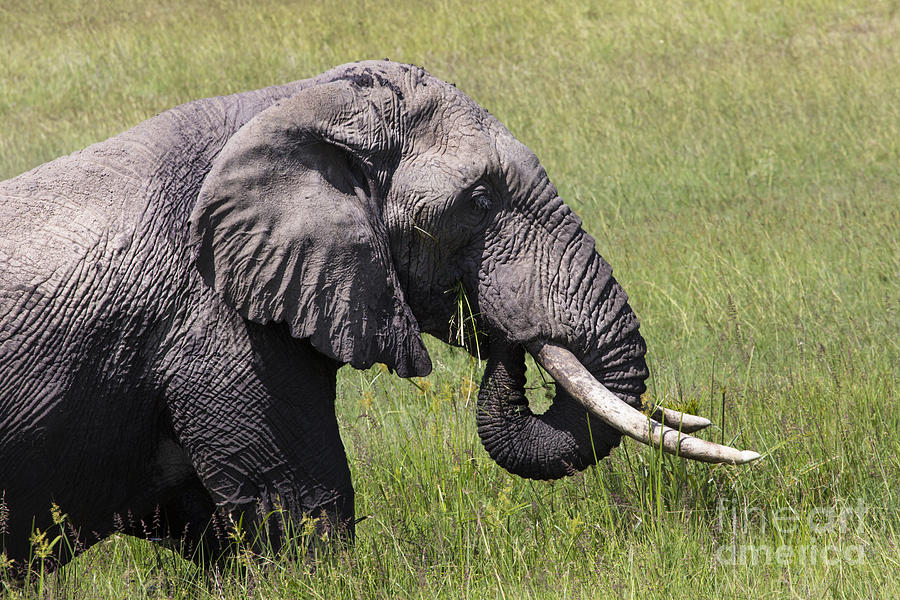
563	440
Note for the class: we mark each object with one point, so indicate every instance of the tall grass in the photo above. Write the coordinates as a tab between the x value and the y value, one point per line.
738	164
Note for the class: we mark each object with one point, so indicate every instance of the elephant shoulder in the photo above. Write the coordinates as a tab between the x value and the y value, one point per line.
56	239
57	213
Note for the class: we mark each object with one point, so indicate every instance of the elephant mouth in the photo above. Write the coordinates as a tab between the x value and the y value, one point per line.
584	423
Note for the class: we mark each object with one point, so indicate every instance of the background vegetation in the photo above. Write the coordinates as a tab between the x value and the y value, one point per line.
738	164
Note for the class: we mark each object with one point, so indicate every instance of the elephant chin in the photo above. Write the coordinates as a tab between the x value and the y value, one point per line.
561	441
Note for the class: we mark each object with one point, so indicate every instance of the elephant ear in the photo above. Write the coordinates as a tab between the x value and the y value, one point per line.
287	227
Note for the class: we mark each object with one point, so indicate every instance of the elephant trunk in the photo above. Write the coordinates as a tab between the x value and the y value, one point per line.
557	443
588	341
561	441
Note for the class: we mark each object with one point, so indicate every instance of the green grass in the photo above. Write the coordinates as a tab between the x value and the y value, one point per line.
738	164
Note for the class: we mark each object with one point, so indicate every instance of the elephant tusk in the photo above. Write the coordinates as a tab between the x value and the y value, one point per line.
568	371
683	422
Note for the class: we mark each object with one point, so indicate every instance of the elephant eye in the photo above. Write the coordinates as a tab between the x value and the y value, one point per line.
481	198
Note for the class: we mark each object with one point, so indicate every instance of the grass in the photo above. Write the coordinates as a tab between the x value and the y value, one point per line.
738	164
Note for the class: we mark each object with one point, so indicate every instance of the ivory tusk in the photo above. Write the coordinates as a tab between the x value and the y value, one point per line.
683	422
568	371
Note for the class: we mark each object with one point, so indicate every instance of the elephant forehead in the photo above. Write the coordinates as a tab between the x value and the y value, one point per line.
400	76
433	114
471	143
448	127
442	172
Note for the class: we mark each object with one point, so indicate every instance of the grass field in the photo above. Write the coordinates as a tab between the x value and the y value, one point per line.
739	166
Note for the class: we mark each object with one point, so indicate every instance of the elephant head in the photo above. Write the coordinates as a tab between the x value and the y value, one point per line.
351	209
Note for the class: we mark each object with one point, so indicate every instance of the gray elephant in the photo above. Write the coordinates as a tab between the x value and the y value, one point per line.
175	303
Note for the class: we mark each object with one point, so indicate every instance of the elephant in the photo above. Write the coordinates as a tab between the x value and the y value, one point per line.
176	302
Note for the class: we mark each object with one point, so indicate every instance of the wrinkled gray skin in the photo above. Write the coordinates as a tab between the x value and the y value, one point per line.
175	301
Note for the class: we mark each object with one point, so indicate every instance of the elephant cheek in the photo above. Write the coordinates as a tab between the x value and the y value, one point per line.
512	303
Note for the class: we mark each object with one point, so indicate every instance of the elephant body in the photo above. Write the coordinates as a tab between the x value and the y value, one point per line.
175	301
114	355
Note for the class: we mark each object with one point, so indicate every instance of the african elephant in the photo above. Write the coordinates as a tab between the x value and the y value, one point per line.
176	301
